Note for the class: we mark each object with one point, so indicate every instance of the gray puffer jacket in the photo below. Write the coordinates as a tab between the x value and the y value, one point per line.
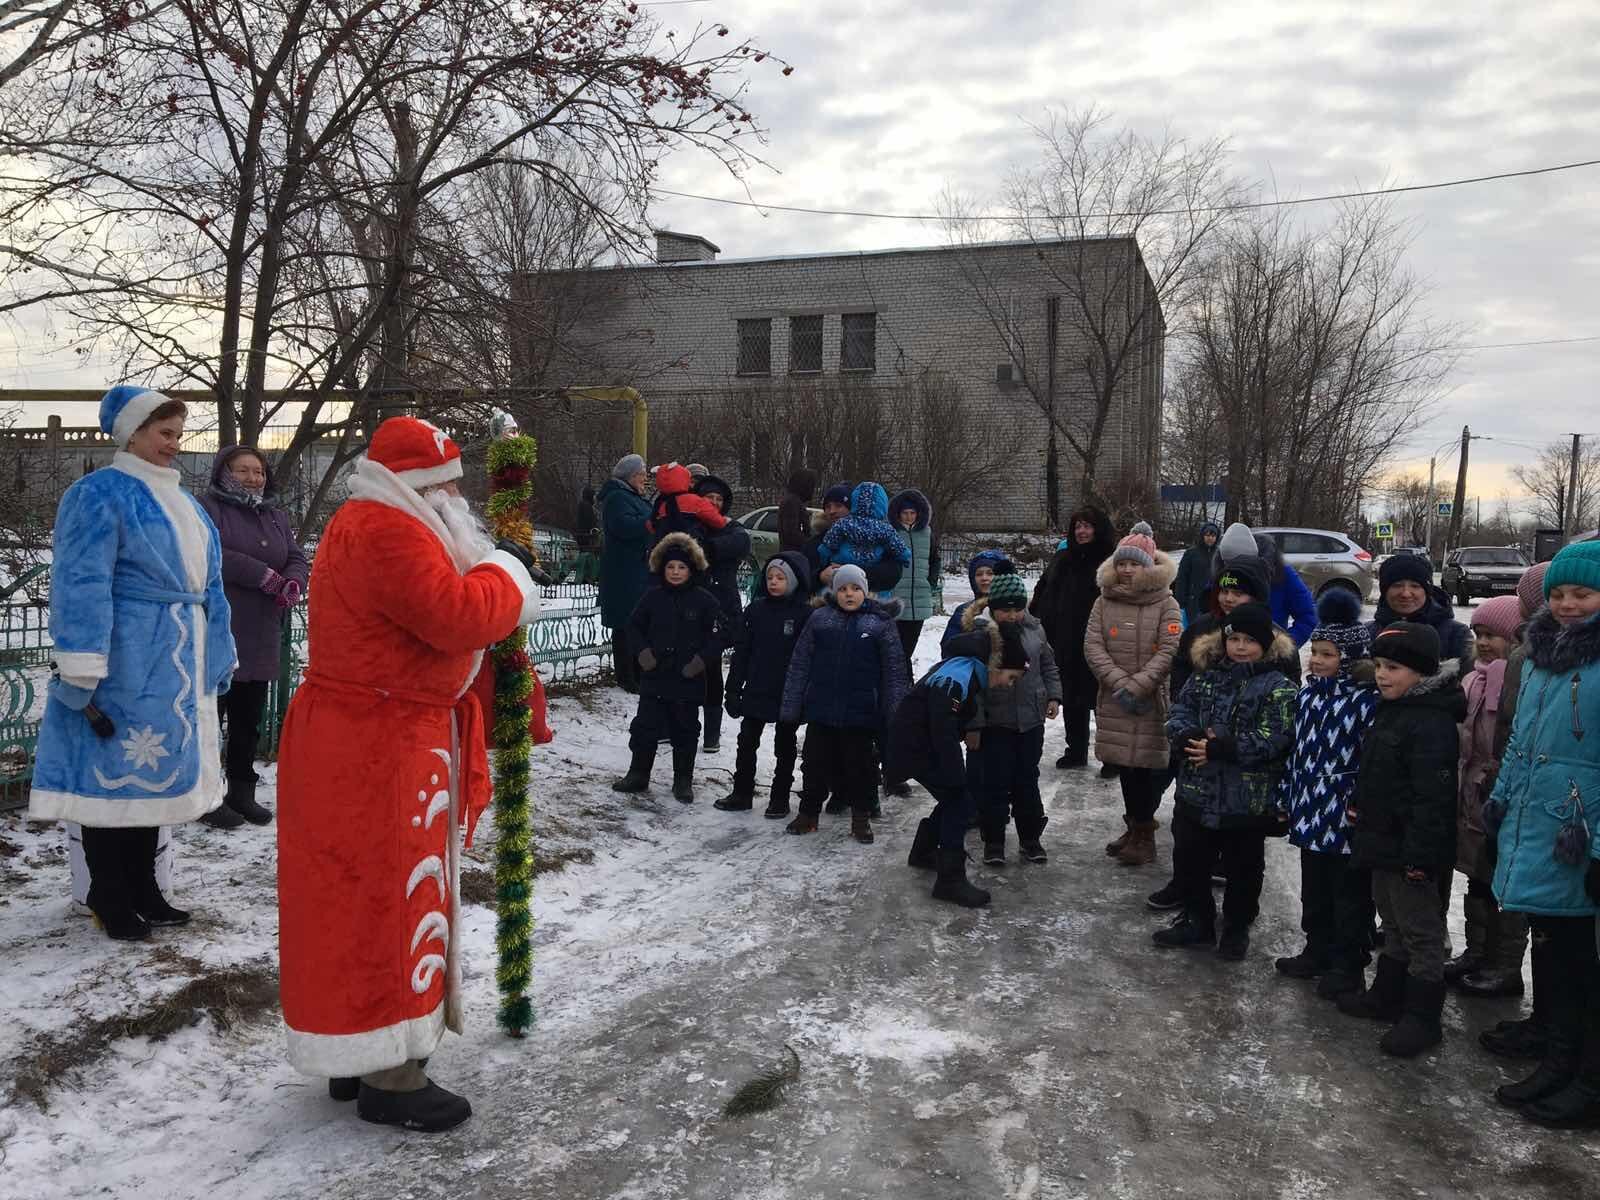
1021	706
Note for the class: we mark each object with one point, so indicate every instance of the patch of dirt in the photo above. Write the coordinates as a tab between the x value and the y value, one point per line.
228	995
477	883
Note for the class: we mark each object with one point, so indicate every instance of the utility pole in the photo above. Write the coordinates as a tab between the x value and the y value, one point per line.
1569	524
1458	509
1432	507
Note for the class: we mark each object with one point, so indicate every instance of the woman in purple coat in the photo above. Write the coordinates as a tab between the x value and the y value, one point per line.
264	572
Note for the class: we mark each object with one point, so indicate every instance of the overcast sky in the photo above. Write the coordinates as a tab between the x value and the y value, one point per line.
892	101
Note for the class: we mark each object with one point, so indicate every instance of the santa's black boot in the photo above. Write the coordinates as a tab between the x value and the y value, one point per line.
344	1087
638	777
683	775
428	1109
952	882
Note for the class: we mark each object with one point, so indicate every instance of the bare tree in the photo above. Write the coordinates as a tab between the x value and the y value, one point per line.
255	194
1121	222
945	448
1547	478
1408	500
1315	351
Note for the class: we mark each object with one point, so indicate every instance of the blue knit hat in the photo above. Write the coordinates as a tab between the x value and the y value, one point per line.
1578	563
1339	621
126	407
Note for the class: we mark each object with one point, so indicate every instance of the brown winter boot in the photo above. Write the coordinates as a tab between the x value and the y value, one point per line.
1141	848
1114	847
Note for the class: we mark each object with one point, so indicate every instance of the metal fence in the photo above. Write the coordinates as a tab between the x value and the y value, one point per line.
567	640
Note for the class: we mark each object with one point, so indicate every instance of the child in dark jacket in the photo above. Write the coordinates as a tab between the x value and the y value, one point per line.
941	713
846	678
1404	816
766	642
1234	725
674	632
1336	706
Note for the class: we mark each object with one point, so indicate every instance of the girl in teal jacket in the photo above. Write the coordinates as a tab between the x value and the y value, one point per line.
1547	807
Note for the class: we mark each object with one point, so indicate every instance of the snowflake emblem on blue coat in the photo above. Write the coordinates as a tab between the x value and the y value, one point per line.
143	748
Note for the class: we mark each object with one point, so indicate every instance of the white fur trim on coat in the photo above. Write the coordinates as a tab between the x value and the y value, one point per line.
81	668
421	477
374	481
346	1054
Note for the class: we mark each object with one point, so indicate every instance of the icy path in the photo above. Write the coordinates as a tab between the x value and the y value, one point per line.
1041	1048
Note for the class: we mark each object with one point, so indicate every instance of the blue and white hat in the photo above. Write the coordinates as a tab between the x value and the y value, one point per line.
126	407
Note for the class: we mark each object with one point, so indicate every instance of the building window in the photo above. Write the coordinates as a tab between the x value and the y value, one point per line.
805	345
858	347
755	346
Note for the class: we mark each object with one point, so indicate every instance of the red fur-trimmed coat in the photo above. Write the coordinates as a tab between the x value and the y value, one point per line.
383	775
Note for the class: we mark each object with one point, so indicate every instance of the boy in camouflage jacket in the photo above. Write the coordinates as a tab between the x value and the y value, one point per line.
1233	726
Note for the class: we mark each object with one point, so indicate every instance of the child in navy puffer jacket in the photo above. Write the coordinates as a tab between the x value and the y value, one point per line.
846	677
771	630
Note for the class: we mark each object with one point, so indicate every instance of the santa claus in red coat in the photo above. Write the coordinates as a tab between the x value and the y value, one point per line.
383	775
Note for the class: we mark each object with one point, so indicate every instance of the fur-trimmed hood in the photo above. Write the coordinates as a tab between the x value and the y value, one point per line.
1148	587
966	644
1553	646
1448	675
888	609
797	563
1207	650
971	611
910	498
658	553
707	484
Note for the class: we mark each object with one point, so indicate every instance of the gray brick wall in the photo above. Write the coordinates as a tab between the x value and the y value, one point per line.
670	330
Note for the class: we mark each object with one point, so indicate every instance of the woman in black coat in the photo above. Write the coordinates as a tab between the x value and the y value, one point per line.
1062	600
725	549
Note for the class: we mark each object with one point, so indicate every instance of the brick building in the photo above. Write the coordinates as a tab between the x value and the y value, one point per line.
998	321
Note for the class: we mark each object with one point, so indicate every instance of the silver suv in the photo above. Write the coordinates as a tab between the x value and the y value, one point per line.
1324	559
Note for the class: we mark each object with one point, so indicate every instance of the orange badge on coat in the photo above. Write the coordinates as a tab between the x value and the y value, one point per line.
1112	631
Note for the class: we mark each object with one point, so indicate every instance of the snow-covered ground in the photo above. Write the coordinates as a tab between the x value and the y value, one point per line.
1040	1048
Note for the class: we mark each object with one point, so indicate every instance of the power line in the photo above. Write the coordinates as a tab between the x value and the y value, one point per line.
1544	342
1244	206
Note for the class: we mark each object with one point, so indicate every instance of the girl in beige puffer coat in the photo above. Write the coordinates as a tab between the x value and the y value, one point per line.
1132	635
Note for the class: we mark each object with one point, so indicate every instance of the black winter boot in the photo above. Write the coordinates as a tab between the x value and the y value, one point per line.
1308	964
1563	996
861	826
241	798
1515	1039
221	817
734	802
1188	932
1339	981
952	882
835	806
1501	973
148	901
683	775
924	847
1385	1000
344	1088
638	777
1418	1027
1576	1106
430	1109
1234	944
994	853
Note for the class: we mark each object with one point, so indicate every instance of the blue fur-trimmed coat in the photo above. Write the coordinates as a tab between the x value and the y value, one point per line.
1550	772
1332	717
138	614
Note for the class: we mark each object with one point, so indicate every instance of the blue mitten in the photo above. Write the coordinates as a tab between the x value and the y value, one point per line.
74	697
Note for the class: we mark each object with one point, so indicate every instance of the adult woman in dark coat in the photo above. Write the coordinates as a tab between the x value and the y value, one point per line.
623	575
726	548
1062	600
264	573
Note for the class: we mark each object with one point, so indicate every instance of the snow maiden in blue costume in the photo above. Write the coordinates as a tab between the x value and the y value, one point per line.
129	740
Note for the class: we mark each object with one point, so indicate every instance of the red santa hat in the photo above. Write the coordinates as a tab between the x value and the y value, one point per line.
419	453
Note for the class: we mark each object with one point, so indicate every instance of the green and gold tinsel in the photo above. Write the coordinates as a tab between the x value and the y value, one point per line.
511	462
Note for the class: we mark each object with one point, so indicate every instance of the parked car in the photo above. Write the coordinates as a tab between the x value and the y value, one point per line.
1325	559
1482	571
763	526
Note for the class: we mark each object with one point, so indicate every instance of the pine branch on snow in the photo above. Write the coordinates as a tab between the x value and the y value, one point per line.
765	1091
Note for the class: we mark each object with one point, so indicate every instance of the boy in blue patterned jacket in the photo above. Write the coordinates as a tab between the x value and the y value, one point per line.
1335	709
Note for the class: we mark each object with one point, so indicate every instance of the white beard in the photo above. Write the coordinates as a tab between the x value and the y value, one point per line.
468	534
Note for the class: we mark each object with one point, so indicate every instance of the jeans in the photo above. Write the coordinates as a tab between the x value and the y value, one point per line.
952	814
785	744
1195	847
1336	909
240	708
842	761
1009	786
1413	925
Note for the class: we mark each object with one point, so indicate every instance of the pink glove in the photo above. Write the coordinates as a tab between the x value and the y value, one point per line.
272	583
291	594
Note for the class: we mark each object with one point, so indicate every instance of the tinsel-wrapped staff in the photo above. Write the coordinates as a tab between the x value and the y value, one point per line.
516	691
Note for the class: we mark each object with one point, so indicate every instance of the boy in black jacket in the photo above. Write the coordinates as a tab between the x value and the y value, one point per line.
925	738
674	632
1404	822
766	641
